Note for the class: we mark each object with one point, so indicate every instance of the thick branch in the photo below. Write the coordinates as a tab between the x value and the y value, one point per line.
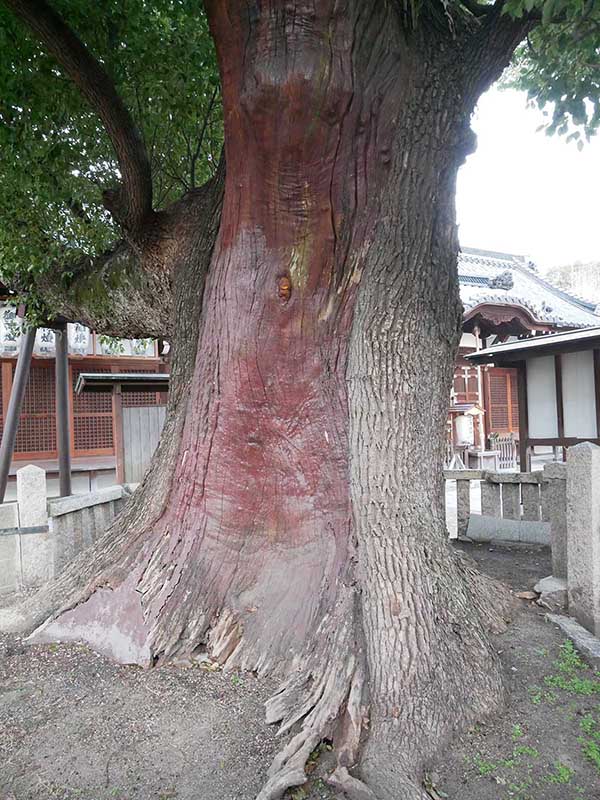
490	49
132	204
137	295
475	8
112	295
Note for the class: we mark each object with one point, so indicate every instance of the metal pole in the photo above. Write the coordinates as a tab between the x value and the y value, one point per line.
15	404
63	432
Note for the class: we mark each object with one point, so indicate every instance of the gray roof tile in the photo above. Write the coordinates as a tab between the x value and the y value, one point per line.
477	268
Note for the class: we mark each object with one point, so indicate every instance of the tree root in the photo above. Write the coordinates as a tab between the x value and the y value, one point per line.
491	598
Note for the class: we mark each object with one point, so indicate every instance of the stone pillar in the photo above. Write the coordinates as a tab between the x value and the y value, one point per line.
530	493
583	534
36	549
10	568
554	502
463	506
490	499
511	501
31	497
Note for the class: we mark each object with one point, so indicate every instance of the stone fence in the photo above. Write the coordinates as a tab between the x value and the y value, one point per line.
565	498
39	537
515	506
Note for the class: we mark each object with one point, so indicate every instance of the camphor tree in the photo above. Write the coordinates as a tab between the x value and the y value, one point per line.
292	520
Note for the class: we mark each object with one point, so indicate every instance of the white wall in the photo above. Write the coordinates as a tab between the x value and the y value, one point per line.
541	398
579	394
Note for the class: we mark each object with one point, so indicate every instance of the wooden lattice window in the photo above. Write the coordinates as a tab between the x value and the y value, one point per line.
502	401
465	385
36	432
131	399
92	420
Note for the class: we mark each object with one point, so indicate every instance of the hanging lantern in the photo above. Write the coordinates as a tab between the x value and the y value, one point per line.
79	339
10	331
45	345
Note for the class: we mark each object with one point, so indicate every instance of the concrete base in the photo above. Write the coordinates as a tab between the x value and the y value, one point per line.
553	593
587	644
491	529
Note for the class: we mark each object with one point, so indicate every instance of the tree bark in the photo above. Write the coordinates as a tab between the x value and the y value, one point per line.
300	525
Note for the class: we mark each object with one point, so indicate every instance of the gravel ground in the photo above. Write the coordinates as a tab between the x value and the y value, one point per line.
73	725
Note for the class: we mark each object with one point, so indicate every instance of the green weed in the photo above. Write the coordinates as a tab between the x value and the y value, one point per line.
561	774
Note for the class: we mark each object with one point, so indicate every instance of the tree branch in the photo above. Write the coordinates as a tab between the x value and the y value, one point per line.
131	204
135	294
476	8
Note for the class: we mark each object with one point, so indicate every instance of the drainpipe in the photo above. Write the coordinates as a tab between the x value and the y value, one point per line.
7	446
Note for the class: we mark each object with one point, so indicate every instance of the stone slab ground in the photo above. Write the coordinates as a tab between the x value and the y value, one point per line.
74	726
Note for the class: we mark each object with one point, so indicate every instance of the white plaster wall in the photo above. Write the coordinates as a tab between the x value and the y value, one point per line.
541	398
579	394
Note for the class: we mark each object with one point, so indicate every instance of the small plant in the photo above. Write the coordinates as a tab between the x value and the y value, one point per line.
525	750
518	791
484	767
561	774
298	793
590	743
517	732
313	758
569	679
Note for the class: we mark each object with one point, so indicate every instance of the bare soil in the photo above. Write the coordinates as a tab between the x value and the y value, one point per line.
73	725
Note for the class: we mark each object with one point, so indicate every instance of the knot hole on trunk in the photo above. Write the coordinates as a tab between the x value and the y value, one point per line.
284	288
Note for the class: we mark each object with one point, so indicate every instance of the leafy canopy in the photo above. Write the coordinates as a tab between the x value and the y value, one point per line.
559	64
55	157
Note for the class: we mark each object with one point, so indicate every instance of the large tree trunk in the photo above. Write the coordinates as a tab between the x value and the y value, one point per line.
302	534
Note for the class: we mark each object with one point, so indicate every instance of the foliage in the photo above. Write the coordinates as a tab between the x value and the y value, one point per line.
590	740
56	157
559	64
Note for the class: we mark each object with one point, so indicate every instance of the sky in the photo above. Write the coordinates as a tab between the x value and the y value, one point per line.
527	193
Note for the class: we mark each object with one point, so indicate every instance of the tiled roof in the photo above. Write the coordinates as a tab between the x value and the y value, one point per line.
483	273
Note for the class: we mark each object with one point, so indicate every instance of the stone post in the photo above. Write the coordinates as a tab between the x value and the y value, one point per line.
583	534
490	499
36	552
530	494
511	501
31	497
554	500
463	506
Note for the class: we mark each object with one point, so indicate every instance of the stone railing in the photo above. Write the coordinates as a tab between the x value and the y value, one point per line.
76	522
512	506
39	537
565	499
